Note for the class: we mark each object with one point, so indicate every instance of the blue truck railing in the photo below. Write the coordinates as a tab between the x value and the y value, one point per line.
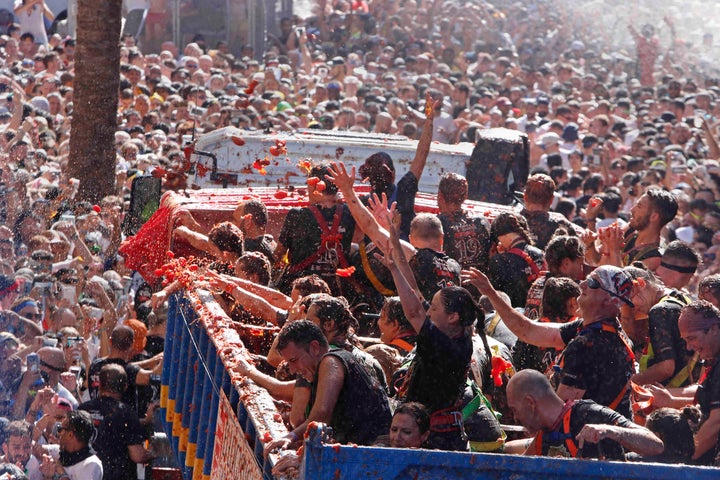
218	423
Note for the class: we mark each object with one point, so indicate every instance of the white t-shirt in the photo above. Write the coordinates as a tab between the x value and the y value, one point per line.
89	469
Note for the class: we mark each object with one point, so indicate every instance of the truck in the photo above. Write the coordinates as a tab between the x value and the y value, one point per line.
218	421
496	166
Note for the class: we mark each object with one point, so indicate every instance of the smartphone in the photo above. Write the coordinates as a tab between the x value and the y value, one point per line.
679	169
67	292
596	155
96	313
76	370
68	217
44	288
33	362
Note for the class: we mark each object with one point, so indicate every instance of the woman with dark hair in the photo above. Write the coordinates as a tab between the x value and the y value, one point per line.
676	429
395	329
518	263
410	426
438	369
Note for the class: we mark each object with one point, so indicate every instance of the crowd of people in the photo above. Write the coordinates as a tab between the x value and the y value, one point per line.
605	280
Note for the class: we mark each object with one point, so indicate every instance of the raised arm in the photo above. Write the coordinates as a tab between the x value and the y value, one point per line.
545	335
364	218
423	149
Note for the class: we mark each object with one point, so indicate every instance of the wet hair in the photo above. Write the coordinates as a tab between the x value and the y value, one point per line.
122	338
18	428
82	425
676	430
539	189
704	309
301	333
335	309
113	378
711	284
321	171
683	252
557	292
227	237
426	226
638	270
509	222
663	203
310	284
458	300
561	247
257	210
454	188
395	312
257	263
418	411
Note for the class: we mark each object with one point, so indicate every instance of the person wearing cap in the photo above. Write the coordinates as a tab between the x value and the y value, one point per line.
597	360
9	288
578	428
699	325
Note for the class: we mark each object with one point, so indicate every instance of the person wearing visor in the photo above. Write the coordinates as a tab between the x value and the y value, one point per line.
597	361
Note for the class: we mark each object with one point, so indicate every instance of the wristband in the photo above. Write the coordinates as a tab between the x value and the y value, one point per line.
292	436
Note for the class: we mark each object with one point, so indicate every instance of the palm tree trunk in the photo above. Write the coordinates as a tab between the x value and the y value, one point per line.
95	98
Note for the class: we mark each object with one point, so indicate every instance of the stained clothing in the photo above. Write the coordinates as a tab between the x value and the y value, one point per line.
542	226
467	240
666	343
130	395
560	441
512	274
264	244
434	271
708	398
362	411
438	369
302	236
632	253
599	360
117	428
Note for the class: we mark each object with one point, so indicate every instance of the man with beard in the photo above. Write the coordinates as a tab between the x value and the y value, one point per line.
642	239
17	448
648	216
74	459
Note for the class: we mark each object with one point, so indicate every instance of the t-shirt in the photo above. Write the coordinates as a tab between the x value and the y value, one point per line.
130	395
434	271
583	412
708	398
302	235
597	360
467	240
117	428
512	274
438	371
631	253
362	411
88	469
542	226
264	244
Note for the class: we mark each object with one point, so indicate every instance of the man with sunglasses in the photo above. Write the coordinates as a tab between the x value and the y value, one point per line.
597	360
73	457
52	365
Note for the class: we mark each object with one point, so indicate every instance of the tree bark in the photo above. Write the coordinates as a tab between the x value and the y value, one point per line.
95	98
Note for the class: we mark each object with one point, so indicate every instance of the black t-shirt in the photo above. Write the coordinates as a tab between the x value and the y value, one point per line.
597	361
631	253
117	427
708	398
434	271
542	226
130	395
362	411
584	412
512	274
667	344
302	235
264	244
438	371
404	196
467	240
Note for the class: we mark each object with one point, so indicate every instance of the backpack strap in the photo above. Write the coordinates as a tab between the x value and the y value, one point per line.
329	239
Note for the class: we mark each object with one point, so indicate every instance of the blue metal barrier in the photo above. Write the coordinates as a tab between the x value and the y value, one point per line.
333	462
199	390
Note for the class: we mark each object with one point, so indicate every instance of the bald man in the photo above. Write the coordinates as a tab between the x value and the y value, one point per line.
574	428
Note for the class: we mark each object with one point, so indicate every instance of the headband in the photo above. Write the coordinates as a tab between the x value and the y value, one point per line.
678	268
23	304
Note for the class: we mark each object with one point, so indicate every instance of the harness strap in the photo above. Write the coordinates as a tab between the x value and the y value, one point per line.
531	263
329	237
556	435
370	274
404	344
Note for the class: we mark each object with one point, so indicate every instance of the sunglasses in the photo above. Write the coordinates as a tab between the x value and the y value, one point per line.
594	284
